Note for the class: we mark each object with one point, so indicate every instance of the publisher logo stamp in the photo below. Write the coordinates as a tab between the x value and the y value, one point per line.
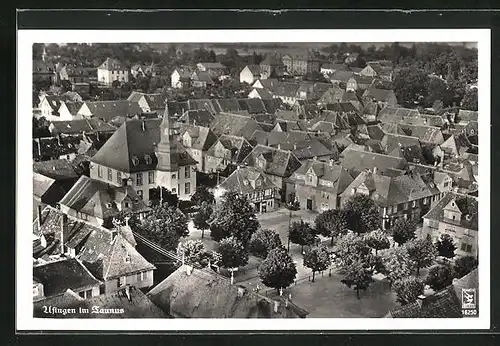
468	298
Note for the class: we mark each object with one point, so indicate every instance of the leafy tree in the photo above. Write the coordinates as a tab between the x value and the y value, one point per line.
234	217
123	217
301	234
409	85
445	246
202	217
439	277
202	194
464	265
278	269
377	240
331	223
232	252
422	252
357	275
263	241
350	248
193	251
40	127
163	195
403	231
362	214
317	259
165	226
115	84
397	264
470	101
438	90
408	289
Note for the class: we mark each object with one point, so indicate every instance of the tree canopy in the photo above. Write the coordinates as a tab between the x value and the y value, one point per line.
464	265
234	217
397	264
278	269
232	252
331	223
403	231
408	289
193	252
362	214
377	240
445	246
302	234
422	252
202	194
439	276
165	226
263	241
317	259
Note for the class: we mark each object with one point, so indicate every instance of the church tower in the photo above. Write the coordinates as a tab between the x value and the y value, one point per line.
168	148
167	154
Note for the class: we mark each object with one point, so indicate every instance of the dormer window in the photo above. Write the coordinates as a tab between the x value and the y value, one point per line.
127	259
108	205
258	182
148	159
135	161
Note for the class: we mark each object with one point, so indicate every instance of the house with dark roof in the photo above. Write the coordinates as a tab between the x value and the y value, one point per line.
80	126
112	70
251	182
54	278
318	184
249	74
181	77
403	196
152	102
446	303
381	97
278	164
465	116
200	293
197	140
379	70
234	124
301	64
260	93
96	201
108	110
456	215
200	117
340	77
356	161
201	79
271	67
329	68
358	82
228	149
68	110
147	153
50	105
214	69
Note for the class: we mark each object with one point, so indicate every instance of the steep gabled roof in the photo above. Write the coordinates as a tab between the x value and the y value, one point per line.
201	117
242	180
361	160
238	146
282	162
80	125
136	138
202	137
56	169
112	65
467	204
107	110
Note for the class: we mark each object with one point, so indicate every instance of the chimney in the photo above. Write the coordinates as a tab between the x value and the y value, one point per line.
143	126
294	146
59	139
276	306
39	213
189	270
63	220
331	162
374	169
279	145
420	299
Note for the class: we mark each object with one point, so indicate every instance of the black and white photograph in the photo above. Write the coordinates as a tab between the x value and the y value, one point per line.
335	177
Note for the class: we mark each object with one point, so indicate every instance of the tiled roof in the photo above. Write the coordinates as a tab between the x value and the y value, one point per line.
107	110
392	141
112	65
80	125
379	95
279	162
56	169
238	146
390	114
213	65
312	148
244	180
202	294
362	79
47	190
109	255
228	105
330	66
375	132
208	104
234	124
428	134
361	160
202	76
272	60
466	204
253	106
254	69
263	93
96	198
136	138
342	76
200	117
58	276
273	105
40	66
185	72
202	137
73	106
334	173
465	116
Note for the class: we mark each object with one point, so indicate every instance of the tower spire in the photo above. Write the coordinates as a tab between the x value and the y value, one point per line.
166	151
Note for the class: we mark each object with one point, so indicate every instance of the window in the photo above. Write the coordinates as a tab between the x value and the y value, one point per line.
122	281
414	204
110	174
127	205
99	171
174	176
187	188
119	177
405	206
187	172
151	177
174	190
468	248
139	276
138	180
139	193
268	192
425	201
